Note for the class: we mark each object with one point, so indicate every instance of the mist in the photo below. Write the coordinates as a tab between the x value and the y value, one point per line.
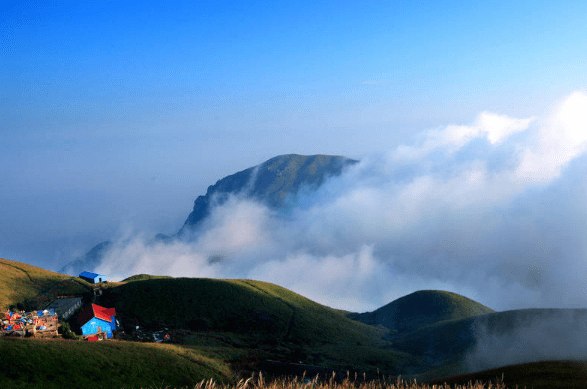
494	210
529	336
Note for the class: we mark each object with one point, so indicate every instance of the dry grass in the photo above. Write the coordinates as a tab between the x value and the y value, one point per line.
335	383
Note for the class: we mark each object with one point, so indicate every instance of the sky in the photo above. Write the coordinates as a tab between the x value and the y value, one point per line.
115	116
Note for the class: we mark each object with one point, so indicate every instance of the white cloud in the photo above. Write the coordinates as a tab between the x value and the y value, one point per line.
495	210
562	137
496	128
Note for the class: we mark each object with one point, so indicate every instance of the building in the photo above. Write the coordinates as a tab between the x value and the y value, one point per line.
93	278
95	319
65	307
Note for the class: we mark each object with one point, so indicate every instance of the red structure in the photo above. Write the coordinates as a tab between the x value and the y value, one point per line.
95	319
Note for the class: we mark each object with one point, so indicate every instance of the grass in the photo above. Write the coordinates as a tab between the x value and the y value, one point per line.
37	287
52	363
348	382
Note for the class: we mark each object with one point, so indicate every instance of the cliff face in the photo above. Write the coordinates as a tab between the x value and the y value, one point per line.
272	182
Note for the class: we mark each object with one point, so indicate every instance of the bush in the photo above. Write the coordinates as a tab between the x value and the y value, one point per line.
67	333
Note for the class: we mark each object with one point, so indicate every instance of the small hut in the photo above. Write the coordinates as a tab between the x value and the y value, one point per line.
93	278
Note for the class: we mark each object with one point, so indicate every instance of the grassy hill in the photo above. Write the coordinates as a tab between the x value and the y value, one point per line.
37	363
246	321
36	287
224	327
423	308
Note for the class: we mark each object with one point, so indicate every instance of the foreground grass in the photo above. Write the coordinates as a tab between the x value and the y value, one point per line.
38	363
346	383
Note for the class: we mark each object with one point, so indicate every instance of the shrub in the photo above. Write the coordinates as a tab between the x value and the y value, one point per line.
67	333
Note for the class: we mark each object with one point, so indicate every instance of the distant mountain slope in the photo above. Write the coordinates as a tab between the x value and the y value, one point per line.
20	282
272	182
423	308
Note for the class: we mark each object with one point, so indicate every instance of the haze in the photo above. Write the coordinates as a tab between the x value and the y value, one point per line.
468	117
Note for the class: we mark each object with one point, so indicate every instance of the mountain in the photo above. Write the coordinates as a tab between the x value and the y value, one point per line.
273	182
88	261
423	308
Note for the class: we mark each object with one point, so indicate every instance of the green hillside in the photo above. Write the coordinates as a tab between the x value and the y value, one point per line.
36	363
247	321
423	308
34	286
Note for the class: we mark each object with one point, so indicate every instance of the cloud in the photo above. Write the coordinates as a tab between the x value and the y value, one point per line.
494	210
495	128
560	139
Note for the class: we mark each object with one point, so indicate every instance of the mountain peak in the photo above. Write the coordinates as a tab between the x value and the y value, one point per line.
272	182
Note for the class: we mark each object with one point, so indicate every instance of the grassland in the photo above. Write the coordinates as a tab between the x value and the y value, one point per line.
38	363
20	283
226	328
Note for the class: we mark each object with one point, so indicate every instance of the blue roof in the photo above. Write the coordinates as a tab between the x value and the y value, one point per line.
88	274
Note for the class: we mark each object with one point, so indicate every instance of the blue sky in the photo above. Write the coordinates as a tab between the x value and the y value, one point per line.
117	114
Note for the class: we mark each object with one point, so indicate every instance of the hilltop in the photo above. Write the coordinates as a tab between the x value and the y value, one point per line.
423	308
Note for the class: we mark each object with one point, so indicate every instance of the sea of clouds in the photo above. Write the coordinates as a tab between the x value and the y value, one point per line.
495	210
